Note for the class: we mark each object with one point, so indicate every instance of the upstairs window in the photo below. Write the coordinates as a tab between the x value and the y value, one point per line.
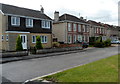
83	28
79	28
74	27
29	22
45	24
69	27
15	21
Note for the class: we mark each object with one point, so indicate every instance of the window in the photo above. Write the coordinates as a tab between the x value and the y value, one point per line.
43	39
84	38
87	28
45	24
79	28
100	30
88	39
69	38
74	27
74	38
83	28
29	22
7	37
33	39
97	30
80	38
15	21
69	27
2	37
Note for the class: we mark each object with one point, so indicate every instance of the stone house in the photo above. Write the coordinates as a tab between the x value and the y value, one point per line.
27	23
97	29
113	32
69	28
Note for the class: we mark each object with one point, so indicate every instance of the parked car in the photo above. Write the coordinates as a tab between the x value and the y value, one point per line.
115	42
84	44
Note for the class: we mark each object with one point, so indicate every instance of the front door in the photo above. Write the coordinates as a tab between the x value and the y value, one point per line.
24	41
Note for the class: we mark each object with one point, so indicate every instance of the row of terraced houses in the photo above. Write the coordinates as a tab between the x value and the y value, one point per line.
28	23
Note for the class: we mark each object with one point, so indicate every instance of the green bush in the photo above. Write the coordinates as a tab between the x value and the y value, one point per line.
38	43
107	43
92	40
19	44
99	43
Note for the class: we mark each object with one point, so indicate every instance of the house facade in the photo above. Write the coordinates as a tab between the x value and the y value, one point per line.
97	29
113	32
26	23
69	29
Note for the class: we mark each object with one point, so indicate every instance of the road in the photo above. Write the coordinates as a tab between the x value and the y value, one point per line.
20	71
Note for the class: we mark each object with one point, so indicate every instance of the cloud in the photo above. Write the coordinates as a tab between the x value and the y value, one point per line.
101	10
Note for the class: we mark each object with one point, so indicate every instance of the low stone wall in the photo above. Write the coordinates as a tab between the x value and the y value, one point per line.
43	51
13	54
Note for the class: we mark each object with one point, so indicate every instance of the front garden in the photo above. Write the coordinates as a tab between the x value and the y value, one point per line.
98	42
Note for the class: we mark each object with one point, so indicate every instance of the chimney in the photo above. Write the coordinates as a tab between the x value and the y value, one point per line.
42	9
56	16
81	18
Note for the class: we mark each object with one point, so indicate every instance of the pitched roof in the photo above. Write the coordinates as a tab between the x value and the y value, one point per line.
9	9
70	18
94	23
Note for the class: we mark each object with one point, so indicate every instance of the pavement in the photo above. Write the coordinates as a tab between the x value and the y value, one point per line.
32	56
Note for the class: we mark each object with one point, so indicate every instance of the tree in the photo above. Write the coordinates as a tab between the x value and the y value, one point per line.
38	43
19	44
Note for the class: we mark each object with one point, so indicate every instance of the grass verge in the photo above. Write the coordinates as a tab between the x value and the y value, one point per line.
104	70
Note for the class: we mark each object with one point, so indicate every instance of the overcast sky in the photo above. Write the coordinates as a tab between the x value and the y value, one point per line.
105	11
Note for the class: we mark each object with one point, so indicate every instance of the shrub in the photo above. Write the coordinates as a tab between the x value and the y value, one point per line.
56	44
38	43
107	43
19	44
99	43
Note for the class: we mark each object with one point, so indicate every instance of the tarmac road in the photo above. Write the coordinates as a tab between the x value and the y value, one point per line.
20	71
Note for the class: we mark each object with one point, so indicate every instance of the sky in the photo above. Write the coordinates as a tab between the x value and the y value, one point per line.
105	11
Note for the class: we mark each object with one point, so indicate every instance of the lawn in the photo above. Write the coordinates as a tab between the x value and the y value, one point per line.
104	70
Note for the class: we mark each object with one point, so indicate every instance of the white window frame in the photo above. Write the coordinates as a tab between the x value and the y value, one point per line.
87	28
33	39
2	37
69	27
15	21
97	30
84	37
74	38
44	39
100	30
7	38
69	38
79	28
45	24
80	38
29	22
83	28
74	27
